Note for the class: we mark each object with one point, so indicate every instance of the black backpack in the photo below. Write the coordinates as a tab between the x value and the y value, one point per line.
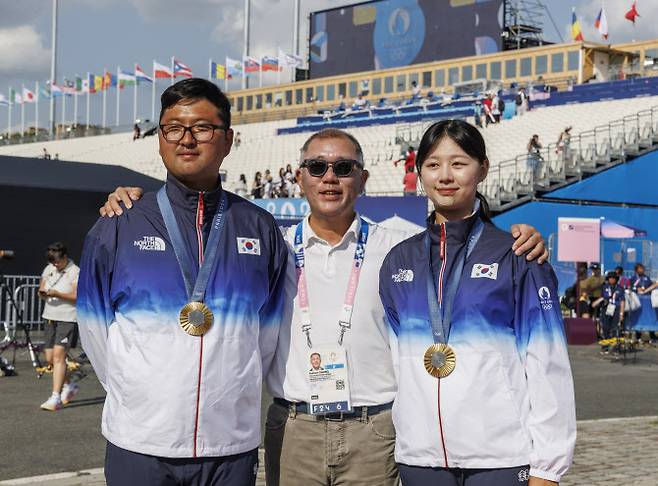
501	105
519	100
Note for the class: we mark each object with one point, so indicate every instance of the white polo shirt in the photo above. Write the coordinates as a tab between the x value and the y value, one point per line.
328	268
66	281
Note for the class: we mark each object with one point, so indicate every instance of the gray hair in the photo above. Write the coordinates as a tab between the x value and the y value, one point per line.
334	133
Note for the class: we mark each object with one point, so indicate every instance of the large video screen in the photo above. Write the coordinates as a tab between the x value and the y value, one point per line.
392	33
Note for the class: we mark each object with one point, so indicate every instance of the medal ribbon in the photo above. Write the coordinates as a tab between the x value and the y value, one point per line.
345	320
196	290
441	316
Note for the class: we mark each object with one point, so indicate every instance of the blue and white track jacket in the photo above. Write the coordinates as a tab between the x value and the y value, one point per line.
510	400
168	393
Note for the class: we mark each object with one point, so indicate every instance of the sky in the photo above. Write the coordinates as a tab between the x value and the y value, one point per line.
98	34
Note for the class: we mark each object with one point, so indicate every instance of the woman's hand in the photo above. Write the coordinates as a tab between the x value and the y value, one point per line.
125	195
529	240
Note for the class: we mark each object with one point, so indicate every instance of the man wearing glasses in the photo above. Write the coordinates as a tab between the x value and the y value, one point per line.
334	427
179	305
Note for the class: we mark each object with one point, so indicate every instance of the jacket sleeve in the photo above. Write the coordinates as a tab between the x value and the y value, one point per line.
390	313
277	310
542	343
95	309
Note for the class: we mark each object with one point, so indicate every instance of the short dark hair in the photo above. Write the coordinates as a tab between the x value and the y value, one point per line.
335	133
196	89
56	251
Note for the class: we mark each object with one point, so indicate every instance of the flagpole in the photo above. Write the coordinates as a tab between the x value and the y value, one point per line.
260	74
245	54
226	75
295	37
53	69
63	110
172	71
152	94
279	66
88	97
135	96
22	112
116	123
75	103
104	97
209	69
11	103
36	112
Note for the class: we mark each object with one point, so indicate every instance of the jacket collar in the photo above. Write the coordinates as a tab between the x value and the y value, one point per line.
187	199
457	232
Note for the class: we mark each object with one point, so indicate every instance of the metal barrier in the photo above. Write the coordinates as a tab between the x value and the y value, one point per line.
25	291
589	151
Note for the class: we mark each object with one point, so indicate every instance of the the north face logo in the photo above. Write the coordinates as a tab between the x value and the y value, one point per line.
150	243
403	276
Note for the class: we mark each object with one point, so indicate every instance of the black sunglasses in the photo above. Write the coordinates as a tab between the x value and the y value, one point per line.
319	167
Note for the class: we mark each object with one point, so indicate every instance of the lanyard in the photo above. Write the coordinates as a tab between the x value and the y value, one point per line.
613	294
441	315
345	320
196	290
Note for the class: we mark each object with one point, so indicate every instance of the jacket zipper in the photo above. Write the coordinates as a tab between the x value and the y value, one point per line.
444	258
199	236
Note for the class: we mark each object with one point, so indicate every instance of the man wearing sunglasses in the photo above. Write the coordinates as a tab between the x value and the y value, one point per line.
338	314
179	303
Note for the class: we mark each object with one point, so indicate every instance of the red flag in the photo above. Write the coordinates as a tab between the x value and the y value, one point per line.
632	13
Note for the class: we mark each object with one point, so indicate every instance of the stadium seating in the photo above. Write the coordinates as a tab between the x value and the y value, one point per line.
262	148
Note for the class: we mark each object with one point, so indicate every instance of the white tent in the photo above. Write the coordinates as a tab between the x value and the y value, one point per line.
400	224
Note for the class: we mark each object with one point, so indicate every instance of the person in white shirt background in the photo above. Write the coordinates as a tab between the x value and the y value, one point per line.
352	447
58	286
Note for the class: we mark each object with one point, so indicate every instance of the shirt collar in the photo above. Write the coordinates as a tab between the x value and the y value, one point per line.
309	237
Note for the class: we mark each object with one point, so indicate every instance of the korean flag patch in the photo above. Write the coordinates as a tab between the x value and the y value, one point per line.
484	270
249	246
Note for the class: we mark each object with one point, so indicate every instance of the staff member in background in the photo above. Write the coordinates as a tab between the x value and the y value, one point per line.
612	311
485	393
180	303
58	286
339	254
640	280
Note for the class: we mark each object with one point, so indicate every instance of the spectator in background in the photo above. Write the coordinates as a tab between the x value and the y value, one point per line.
432	98
487	108
58	287
360	103
46	155
592	286
296	189
56	157
268	187
640	281
535	158
521	102
288	173
341	106
624	282
612	313
136	132
257	186
382	103
241	188
410	182
237	141
409	159
495	108
477	113
563	142
416	93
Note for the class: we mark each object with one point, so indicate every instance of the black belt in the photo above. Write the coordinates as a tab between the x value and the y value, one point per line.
356	412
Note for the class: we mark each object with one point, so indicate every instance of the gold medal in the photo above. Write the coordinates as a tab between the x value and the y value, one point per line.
195	318
440	360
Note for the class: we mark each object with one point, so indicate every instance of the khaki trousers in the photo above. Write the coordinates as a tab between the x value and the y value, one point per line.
304	450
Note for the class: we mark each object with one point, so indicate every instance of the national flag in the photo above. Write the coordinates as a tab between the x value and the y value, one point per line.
3	100
28	96
140	75
55	90
98	83
576	33
181	69
217	71
126	78
91	88
270	63
109	80
85	86
251	64
68	88
78	85
632	13
14	97
233	68
601	23
290	60
44	92
161	71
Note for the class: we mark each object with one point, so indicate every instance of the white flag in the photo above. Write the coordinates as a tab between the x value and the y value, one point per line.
290	60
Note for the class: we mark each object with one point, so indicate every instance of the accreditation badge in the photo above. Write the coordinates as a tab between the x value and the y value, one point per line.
328	378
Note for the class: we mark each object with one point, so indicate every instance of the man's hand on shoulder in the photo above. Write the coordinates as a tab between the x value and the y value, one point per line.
125	195
529	240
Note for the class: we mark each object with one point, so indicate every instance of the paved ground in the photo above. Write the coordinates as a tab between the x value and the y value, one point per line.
33	442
